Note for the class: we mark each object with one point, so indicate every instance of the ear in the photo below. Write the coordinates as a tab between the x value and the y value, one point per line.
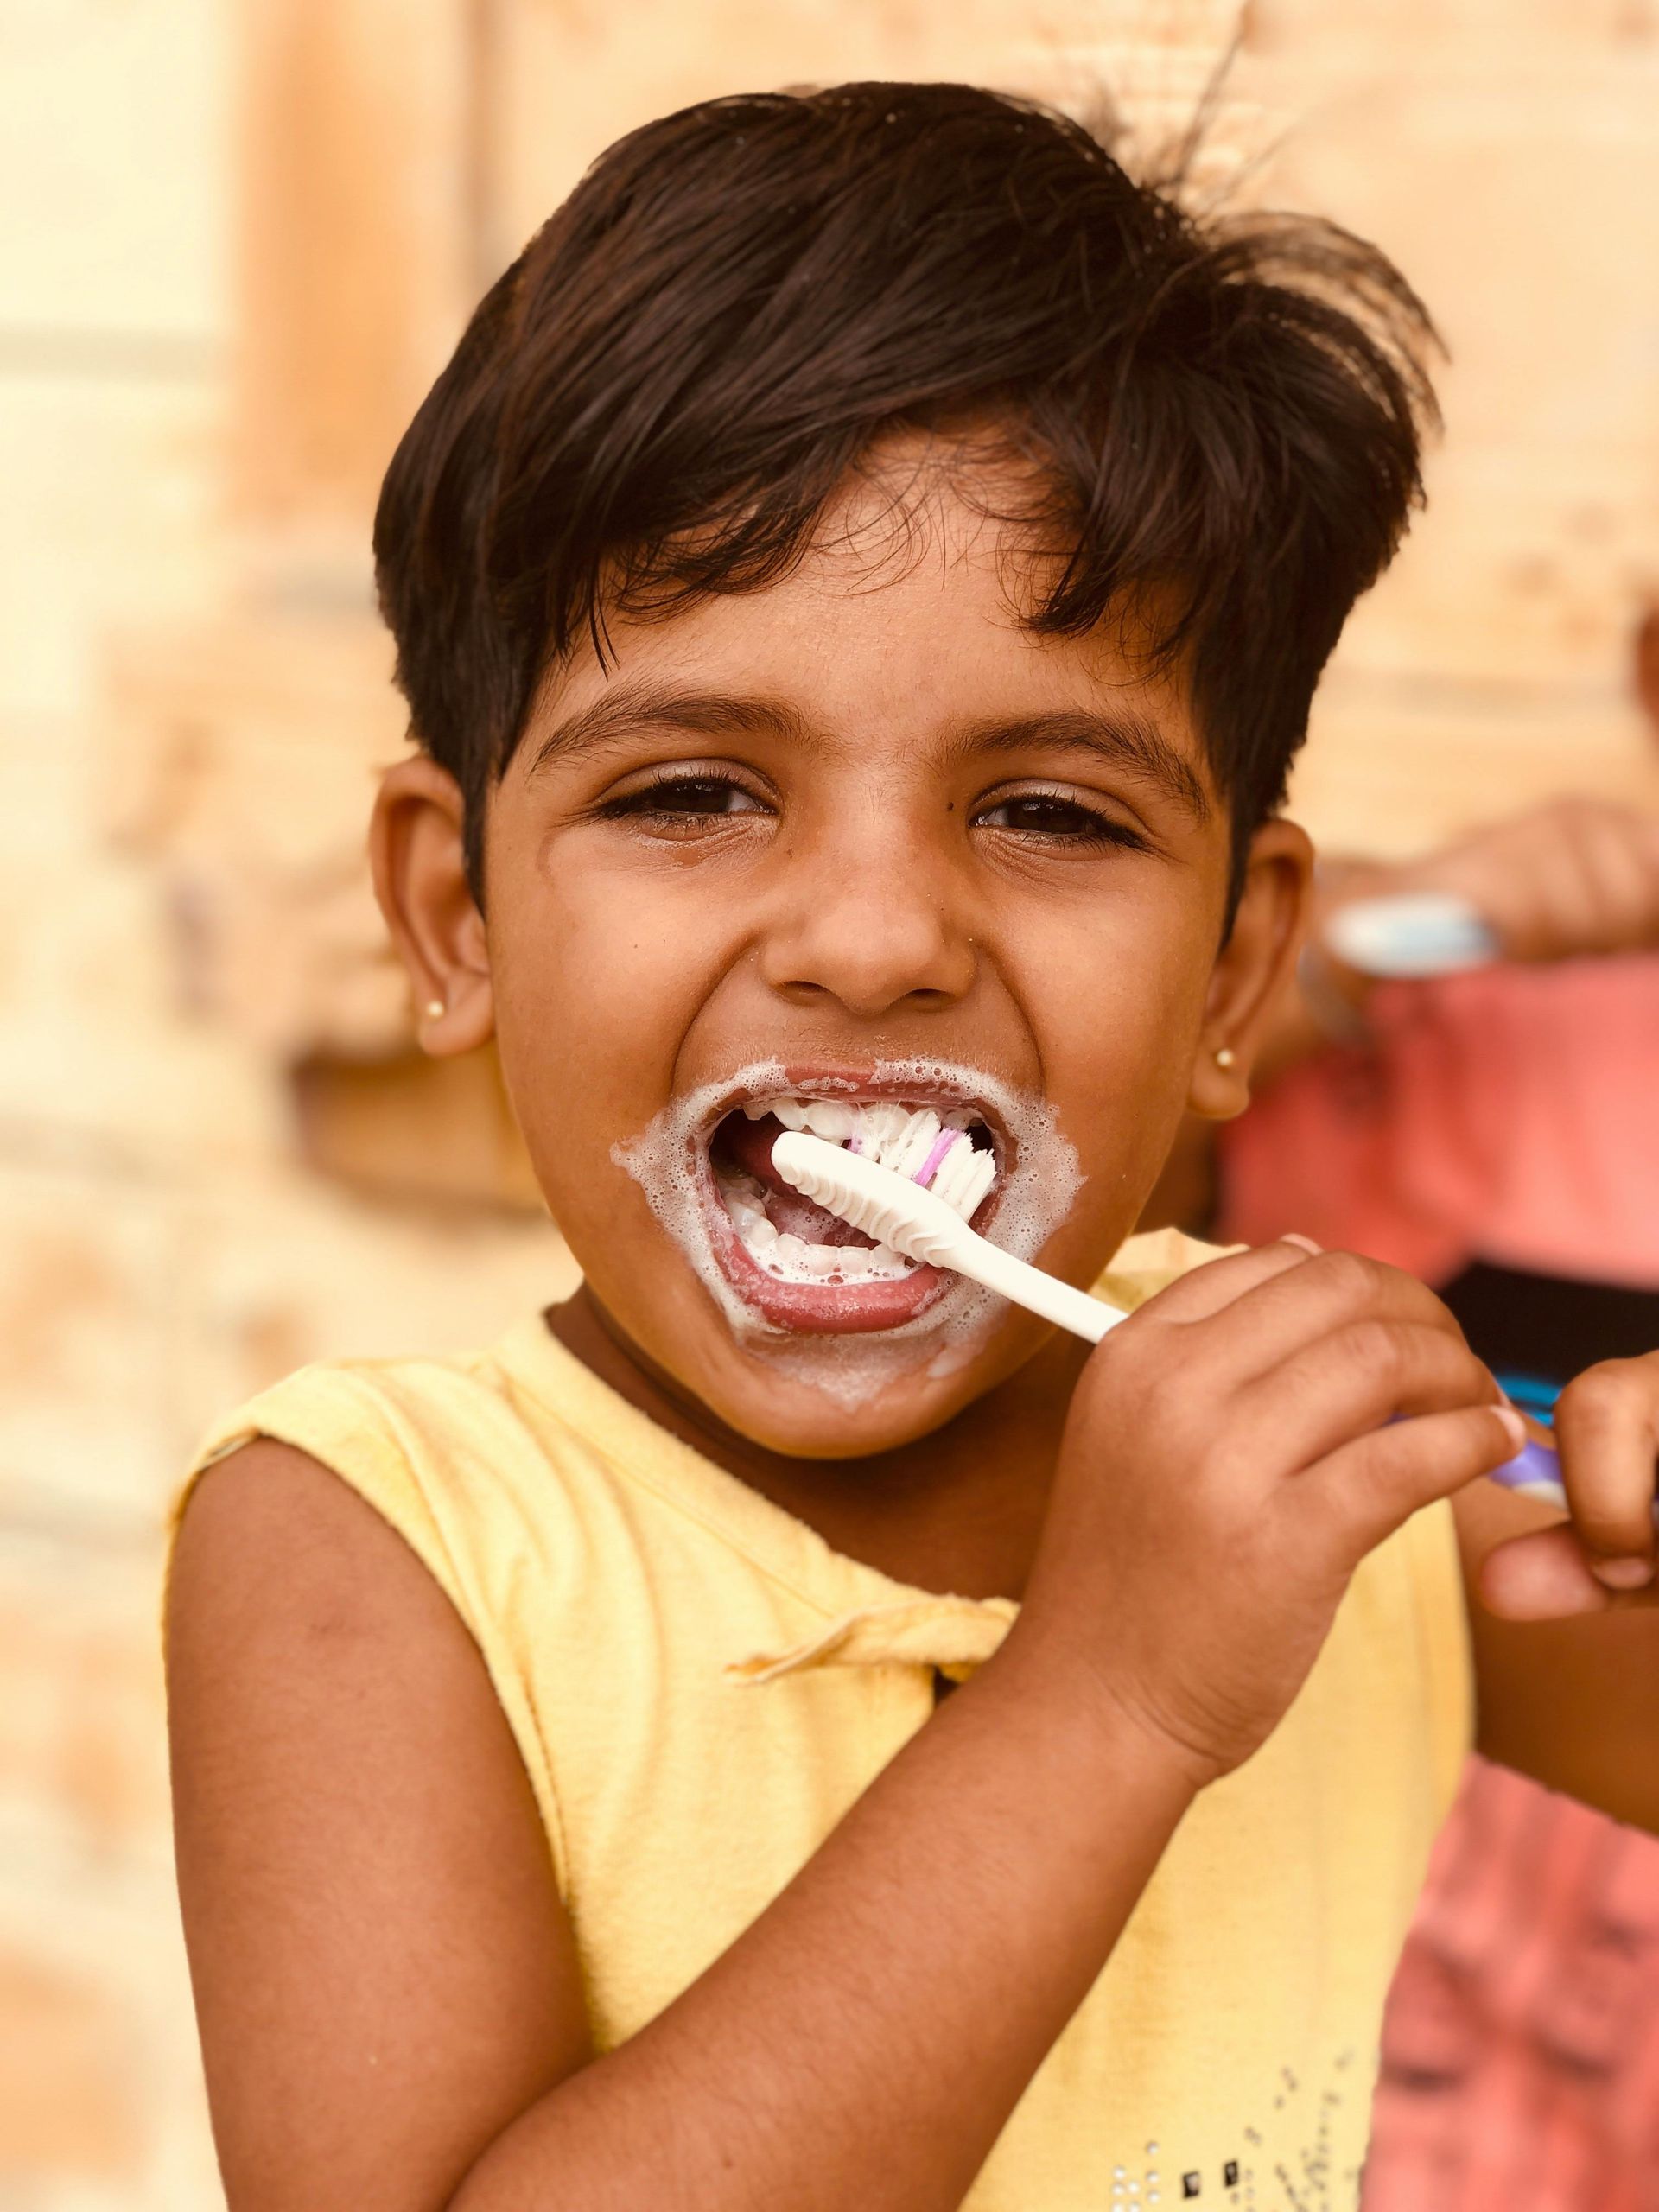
1253	969
418	854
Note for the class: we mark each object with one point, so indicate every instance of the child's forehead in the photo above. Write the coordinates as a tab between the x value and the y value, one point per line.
904	619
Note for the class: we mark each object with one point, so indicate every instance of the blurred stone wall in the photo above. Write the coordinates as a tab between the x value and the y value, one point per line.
241	235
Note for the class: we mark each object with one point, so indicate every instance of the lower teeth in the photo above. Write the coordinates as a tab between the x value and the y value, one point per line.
790	1258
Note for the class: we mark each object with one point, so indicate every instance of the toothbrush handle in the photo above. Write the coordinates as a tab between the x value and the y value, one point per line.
1536	1472
1039	1294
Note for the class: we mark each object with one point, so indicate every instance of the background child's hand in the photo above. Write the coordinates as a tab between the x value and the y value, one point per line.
1607	1432
1576	877
1227	1463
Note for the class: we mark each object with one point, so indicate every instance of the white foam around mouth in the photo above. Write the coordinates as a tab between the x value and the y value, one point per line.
1038	1179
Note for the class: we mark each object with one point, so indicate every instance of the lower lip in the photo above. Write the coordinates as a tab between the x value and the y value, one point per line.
820	1308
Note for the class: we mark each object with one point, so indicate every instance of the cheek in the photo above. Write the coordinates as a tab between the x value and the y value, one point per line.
1117	1007
597	981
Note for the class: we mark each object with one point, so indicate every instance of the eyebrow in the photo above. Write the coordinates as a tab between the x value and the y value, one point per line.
1123	738
630	708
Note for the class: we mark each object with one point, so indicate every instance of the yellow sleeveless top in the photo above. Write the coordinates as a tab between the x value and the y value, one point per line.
700	1687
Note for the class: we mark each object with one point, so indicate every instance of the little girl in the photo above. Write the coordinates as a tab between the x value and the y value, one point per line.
783	1730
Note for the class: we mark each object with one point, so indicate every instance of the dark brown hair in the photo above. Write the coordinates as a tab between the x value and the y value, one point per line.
658	397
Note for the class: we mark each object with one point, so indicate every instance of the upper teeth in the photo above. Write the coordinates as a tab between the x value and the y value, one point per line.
896	1136
837	1119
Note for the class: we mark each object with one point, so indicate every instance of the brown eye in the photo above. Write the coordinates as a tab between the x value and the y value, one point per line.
684	797
1052	817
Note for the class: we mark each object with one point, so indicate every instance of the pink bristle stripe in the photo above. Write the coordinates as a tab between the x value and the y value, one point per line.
942	1144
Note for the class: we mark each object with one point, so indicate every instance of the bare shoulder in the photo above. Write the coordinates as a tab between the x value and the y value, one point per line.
270	1535
384	1971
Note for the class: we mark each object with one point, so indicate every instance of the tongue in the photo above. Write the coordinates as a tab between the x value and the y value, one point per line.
749	1144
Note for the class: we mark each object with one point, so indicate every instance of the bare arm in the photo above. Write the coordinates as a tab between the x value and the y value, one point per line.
386	1977
384	1974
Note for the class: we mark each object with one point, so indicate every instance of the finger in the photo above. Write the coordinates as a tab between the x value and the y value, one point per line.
1546	1576
1644	846
1218	1283
1557	902
1608	1434
1488	875
1519	875
1618	894
1372	1487
1274	1318
1348	1383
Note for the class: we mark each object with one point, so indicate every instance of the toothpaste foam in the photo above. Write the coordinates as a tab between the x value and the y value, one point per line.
670	1163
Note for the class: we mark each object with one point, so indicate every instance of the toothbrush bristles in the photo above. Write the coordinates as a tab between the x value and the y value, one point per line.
937	1156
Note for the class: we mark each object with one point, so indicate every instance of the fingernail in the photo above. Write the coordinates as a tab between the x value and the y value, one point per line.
1513	1423
1307	1244
1623	1574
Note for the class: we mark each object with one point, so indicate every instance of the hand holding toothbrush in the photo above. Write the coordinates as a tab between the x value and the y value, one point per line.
1234	1450
927	1228
1575	879
1236	1447
1607	1435
1223	1474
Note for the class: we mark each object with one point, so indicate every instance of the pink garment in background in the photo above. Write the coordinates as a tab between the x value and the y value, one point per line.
1521	2050
1511	1115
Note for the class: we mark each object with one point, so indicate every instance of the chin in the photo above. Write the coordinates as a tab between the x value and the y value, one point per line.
843	1398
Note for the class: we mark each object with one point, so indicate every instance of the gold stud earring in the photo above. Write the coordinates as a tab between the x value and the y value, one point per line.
1224	1056
436	1009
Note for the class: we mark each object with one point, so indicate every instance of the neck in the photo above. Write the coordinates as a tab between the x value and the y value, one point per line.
959	1509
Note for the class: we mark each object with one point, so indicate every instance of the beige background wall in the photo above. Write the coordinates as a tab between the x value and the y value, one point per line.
238	240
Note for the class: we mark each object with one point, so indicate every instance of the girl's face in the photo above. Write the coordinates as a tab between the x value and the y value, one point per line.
857	838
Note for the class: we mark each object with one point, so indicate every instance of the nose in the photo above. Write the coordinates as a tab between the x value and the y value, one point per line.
871	918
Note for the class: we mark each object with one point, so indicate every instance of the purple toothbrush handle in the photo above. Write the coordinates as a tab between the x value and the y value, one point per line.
1534	1472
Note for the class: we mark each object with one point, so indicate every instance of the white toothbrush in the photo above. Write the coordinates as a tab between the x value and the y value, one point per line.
924	1227
1420	934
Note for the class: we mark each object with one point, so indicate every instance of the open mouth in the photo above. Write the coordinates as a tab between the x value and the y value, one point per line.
766	1253
805	1267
